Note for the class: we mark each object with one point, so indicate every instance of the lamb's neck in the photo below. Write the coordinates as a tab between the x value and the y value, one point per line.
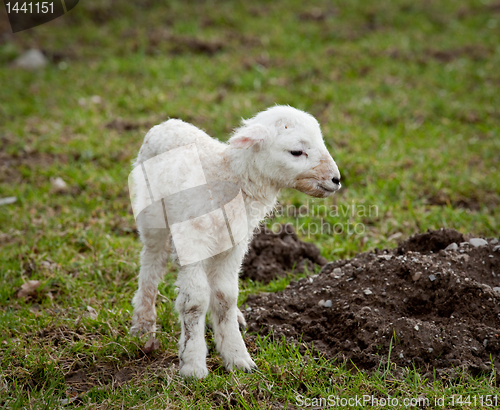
253	184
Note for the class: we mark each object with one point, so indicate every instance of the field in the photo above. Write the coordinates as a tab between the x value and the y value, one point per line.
407	93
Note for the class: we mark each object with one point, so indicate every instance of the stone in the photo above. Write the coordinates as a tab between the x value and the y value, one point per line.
477	242
451	247
31	60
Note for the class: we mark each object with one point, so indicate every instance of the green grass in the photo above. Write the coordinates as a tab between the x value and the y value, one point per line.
407	96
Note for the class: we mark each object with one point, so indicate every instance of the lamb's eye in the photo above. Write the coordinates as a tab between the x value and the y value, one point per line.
296	153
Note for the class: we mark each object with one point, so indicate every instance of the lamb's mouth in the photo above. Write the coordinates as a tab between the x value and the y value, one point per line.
326	189
313	187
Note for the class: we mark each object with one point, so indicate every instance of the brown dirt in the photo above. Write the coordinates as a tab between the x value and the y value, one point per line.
273	255
437	307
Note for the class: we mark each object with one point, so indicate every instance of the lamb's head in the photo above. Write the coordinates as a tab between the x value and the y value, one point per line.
284	146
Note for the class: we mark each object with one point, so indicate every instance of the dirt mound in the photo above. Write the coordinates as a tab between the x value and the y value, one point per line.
431	241
437	309
272	255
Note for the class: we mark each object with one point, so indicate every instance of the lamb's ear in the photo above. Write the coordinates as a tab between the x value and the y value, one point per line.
248	136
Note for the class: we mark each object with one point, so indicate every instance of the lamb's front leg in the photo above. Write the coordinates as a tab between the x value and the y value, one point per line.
192	305
224	309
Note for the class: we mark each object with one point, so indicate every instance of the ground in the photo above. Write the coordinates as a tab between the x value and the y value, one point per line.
407	96
416	305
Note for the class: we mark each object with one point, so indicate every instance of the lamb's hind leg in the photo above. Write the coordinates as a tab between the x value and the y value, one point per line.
226	317
192	305
154	258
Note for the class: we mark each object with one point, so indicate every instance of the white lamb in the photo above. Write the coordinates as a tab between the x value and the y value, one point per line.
281	147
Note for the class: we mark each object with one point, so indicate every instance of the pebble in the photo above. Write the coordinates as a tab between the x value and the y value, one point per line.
462	244
327	304
401	355
368	292
496	289
432	278
477	242
31	60
416	328
337	273
451	247
58	184
385	257
496	248
8	200
494	241
416	276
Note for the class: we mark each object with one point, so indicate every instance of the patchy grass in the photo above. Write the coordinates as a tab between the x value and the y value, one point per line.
407	95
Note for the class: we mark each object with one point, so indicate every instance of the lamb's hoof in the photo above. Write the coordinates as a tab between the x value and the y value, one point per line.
197	371
142	328
245	364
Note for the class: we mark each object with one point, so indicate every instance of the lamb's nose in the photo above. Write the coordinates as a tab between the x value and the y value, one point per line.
336	180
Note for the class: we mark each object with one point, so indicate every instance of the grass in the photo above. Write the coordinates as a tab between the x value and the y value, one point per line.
407	95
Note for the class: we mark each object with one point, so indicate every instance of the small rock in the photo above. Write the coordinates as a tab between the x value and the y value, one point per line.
321	303
485	342
8	200
385	257
430	349
95	99
416	276
496	289
58	184
401	355
496	248
477	242
327	304
31	60
465	257
494	241
368	292
432	278
451	247
337	273
416	328
462	244
92	312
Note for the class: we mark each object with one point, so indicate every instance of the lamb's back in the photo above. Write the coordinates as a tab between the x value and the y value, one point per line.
176	133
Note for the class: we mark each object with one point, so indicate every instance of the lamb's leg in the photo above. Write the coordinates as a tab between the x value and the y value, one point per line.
192	305
226	317
154	258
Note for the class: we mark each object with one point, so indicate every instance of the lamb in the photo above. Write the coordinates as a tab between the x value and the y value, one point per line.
186	189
